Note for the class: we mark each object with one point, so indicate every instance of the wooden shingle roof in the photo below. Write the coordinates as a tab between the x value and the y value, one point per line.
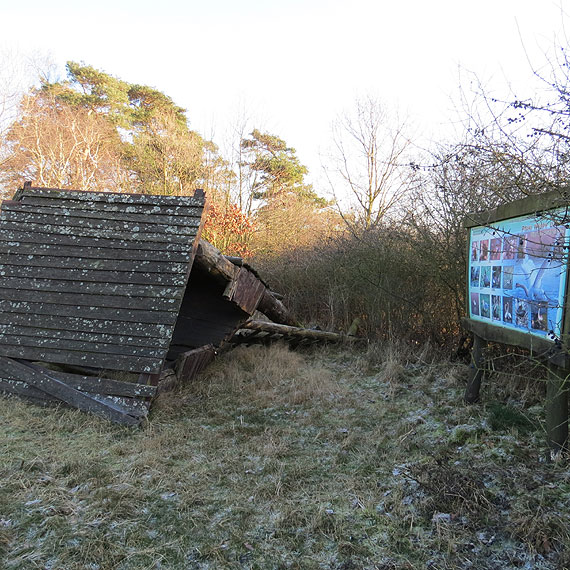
94	279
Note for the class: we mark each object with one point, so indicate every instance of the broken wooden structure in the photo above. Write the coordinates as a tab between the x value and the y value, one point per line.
92	282
95	284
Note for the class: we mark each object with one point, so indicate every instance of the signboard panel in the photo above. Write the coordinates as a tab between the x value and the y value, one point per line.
517	273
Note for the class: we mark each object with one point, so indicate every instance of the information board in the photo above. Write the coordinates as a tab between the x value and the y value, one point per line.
517	273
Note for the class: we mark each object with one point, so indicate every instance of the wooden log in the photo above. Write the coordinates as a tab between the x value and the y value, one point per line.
214	262
298	332
476	371
275	310
557	408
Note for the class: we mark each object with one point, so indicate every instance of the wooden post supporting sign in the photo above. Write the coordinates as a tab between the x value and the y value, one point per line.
476	372
557	408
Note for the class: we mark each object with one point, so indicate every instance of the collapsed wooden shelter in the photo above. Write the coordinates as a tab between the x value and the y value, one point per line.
97	283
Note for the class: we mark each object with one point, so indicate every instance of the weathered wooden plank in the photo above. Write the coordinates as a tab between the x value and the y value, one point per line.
98	360
92	252
95	212
45	342
168	210
93	275
538	346
87	312
42	237
190	363
150	379
105	386
245	291
96	264
87	287
93	325
108	386
133	406
95	385
15	386
47	381
93	300
113	198
105	233
98	224
94	337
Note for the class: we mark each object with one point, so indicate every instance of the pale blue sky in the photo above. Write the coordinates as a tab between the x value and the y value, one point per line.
295	64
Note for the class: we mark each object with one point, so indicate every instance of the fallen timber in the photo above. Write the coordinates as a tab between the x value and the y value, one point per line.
264	332
100	286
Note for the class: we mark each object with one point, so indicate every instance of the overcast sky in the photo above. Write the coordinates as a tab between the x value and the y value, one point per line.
295	64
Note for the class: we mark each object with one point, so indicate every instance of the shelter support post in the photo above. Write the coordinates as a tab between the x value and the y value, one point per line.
476	372
557	408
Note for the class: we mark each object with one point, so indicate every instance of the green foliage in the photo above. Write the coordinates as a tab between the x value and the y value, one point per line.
276	168
147	144
503	417
93	89
129	106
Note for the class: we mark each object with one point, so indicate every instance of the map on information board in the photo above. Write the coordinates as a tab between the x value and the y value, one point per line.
517	273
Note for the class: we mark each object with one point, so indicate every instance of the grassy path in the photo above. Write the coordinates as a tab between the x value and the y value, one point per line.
274	459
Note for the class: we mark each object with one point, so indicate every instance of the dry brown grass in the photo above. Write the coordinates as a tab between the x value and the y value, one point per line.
269	376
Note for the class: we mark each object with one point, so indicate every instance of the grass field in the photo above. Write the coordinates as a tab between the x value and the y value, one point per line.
274	459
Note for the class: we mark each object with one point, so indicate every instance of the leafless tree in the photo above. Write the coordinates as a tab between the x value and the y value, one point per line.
369	162
57	146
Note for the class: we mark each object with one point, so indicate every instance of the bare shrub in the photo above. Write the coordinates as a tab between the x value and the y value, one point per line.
381	277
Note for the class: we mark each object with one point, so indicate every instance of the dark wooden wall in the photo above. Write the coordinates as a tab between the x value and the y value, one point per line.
206	316
94	279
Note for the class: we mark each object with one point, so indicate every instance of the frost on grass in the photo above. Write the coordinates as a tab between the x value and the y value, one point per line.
279	459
